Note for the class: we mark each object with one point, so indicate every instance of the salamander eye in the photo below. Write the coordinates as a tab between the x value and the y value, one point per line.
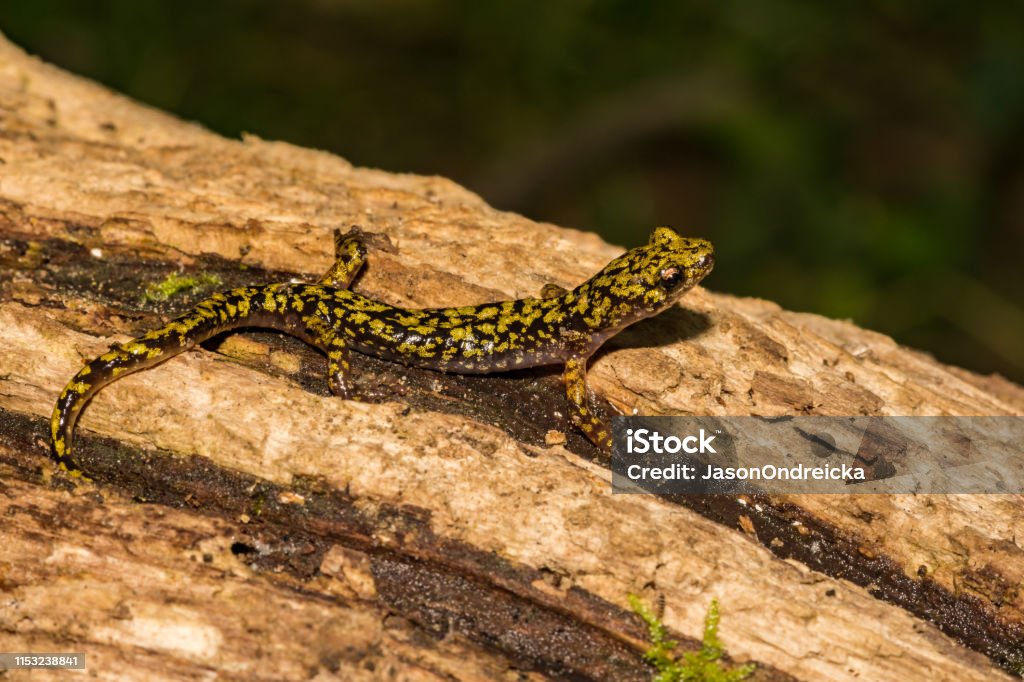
671	277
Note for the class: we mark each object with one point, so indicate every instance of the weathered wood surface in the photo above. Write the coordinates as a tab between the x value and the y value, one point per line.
244	521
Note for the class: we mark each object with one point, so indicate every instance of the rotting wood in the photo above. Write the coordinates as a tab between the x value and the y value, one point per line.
100	195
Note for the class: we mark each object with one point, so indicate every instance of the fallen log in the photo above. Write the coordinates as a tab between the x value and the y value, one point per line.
242	520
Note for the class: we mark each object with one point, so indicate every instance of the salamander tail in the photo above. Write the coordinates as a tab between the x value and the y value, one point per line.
216	314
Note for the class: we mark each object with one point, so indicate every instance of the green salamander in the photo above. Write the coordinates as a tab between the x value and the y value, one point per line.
561	327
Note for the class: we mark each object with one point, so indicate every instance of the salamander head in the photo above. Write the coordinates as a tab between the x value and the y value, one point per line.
646	280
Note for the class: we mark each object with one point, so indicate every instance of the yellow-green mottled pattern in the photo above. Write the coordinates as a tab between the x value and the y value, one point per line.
560	327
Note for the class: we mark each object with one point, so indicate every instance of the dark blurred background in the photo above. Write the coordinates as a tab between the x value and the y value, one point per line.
862	160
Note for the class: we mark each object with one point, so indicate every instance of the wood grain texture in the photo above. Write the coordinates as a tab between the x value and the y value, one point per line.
244	521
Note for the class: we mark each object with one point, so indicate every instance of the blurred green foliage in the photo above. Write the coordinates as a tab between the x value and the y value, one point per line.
857	159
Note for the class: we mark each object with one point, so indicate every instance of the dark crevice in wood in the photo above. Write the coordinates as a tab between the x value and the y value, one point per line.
789	532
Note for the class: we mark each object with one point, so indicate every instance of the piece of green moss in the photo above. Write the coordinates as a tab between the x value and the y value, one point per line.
698	666
174	284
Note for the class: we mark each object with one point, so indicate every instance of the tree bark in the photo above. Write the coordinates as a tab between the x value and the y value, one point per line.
242	520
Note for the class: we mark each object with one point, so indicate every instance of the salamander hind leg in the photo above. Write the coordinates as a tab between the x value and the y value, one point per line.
349	257
581	410
339	372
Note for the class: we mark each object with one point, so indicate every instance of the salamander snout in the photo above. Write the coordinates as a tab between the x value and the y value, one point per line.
701	262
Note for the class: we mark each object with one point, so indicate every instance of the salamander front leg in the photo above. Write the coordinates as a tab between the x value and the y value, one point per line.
552	290
338	370
349	257
581	410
